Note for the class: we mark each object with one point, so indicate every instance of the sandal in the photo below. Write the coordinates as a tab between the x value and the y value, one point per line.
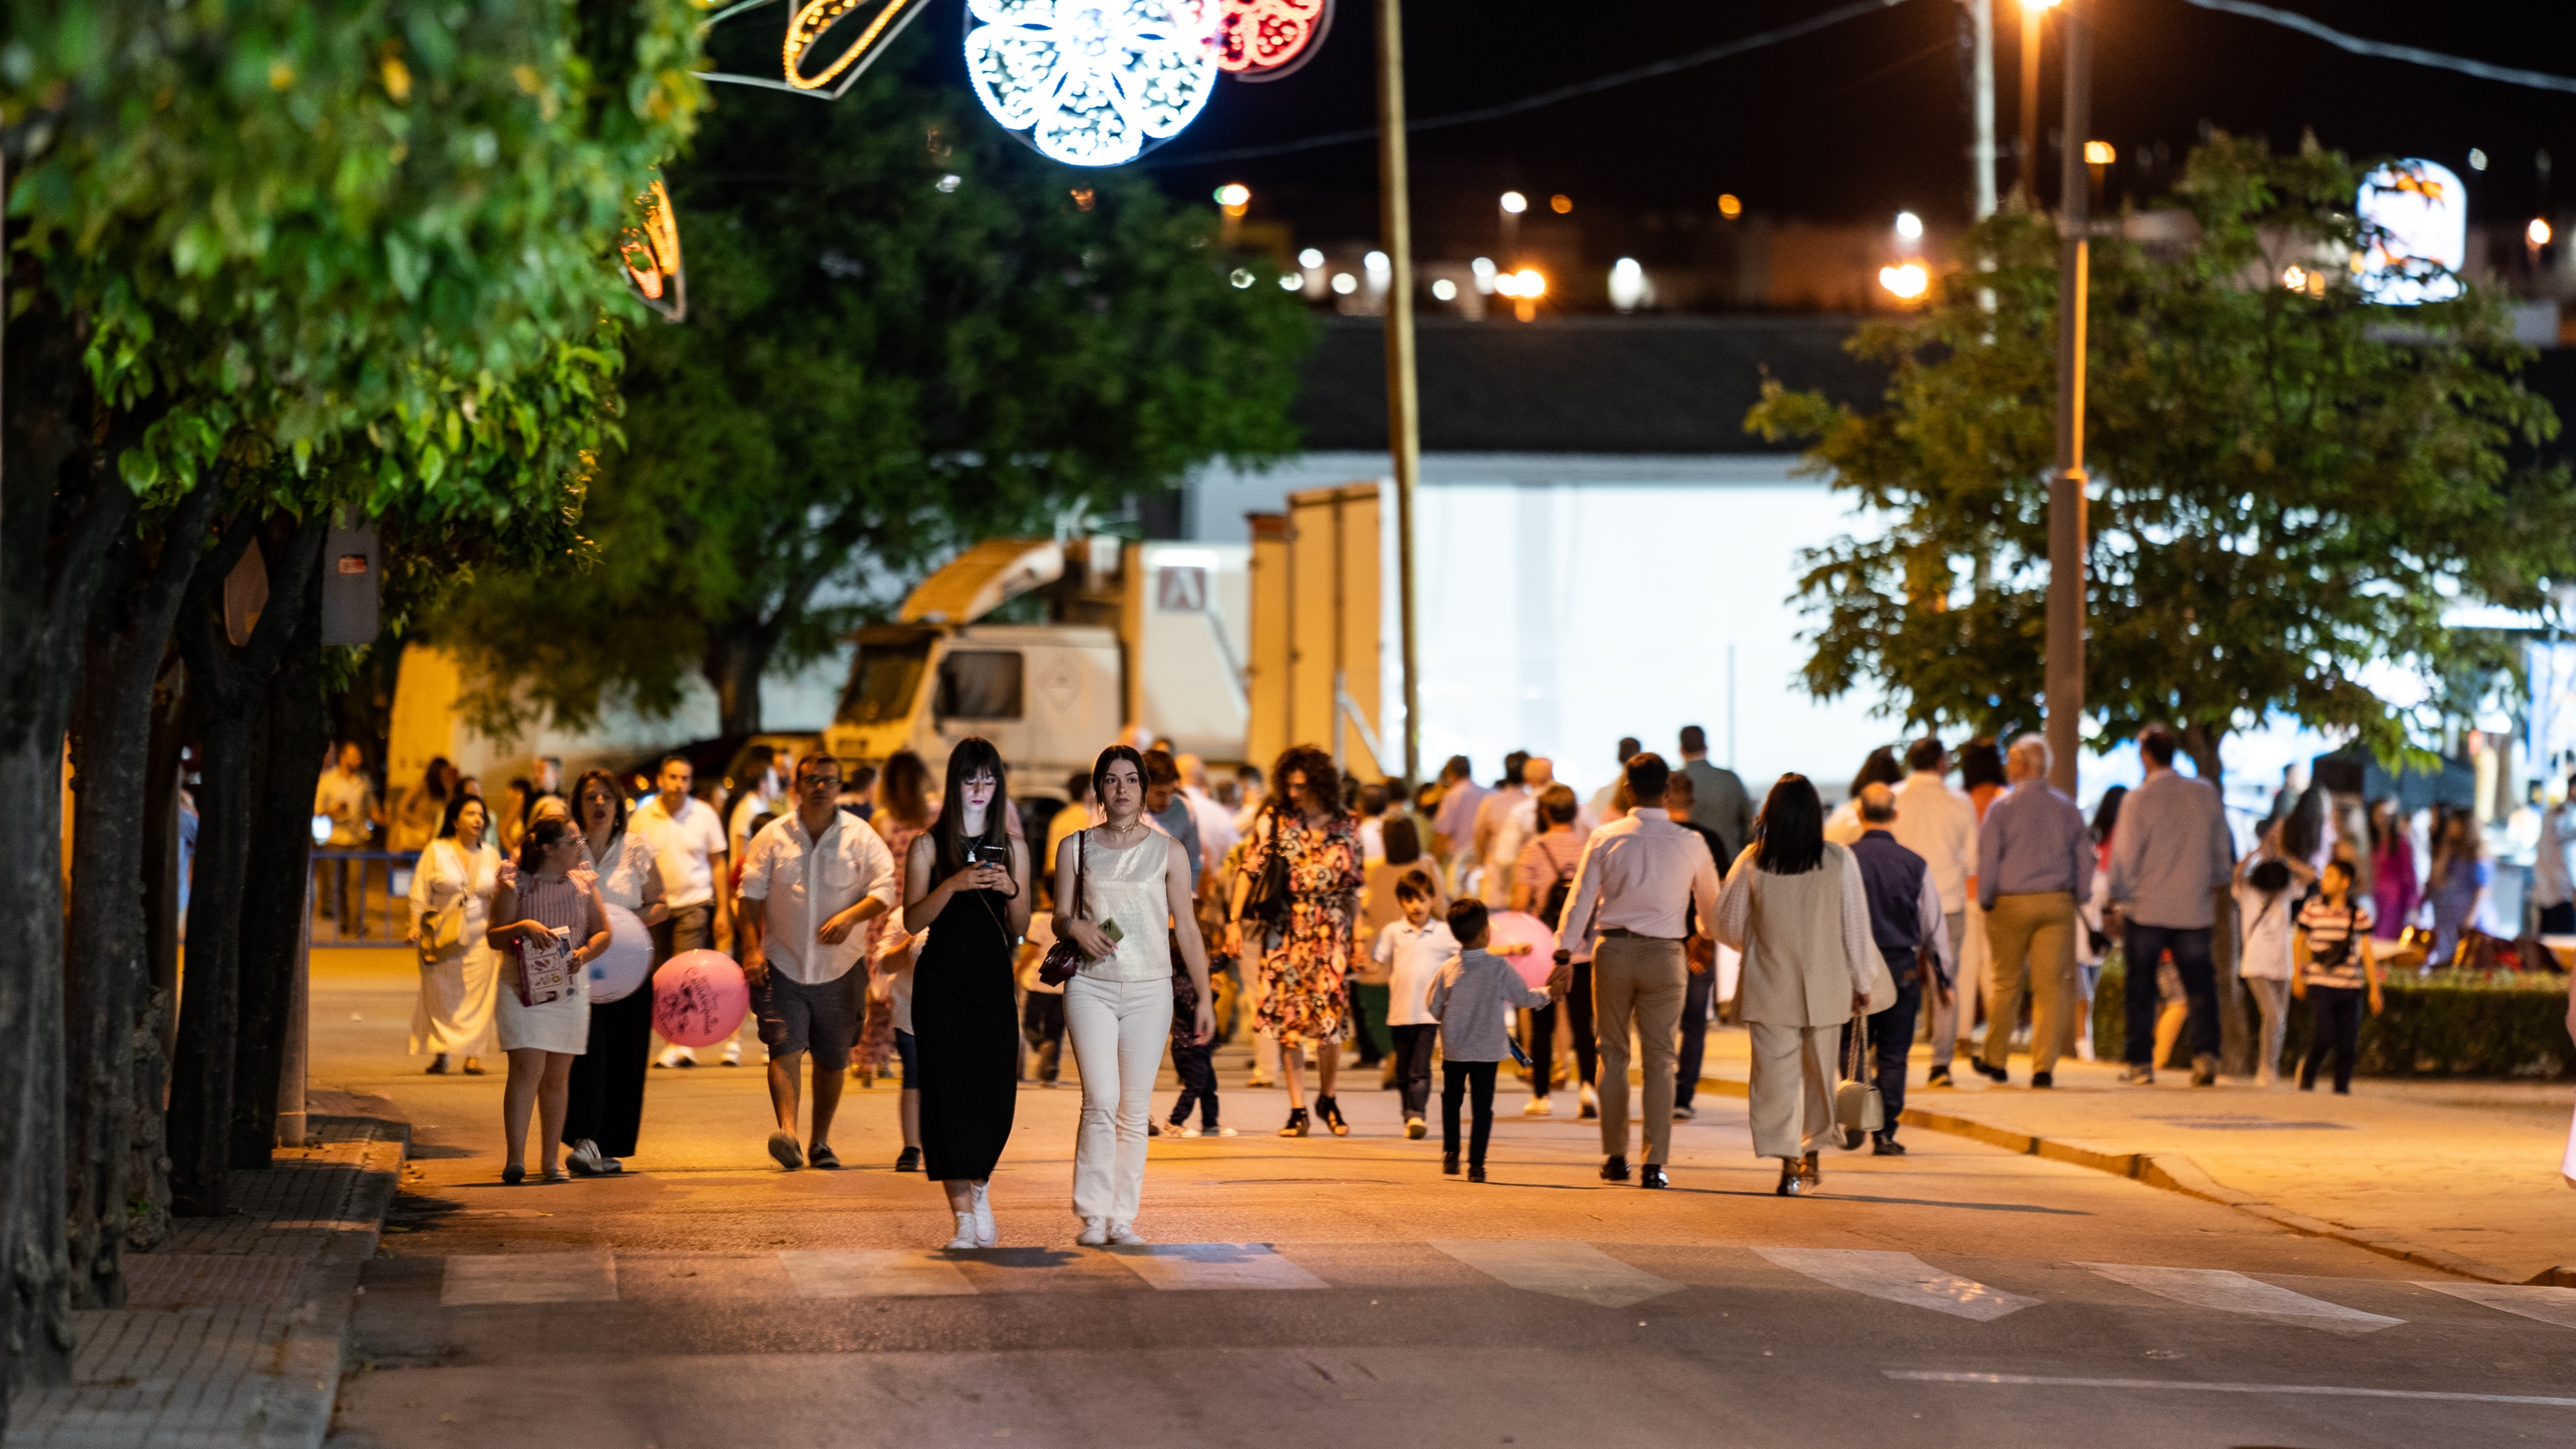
1296	1123
1331	1111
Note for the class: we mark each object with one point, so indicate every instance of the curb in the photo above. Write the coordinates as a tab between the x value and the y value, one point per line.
2173	1172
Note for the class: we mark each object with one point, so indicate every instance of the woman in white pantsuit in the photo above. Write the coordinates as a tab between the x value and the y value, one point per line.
1118	1008
454	880
1801	919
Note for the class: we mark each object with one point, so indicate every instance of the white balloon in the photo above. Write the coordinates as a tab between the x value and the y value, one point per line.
628	960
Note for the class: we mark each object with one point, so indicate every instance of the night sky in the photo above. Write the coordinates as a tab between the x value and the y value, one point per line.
1857	121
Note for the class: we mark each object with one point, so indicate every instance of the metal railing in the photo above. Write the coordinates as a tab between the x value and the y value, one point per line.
371	887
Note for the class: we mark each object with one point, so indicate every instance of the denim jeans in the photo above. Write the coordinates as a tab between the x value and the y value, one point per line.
2190	947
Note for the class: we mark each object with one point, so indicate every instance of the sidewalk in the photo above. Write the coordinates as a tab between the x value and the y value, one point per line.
233	1336
2462	1177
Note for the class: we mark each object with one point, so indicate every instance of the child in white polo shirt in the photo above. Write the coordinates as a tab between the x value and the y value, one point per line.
1415	949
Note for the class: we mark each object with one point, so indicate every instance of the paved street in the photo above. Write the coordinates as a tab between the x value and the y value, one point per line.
1342	1288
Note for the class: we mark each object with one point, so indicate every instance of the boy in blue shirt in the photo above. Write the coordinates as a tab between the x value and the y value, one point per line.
1473	999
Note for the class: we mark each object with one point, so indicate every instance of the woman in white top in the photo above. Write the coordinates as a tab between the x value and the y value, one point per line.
542	903
2268	886
607	1086
1118	1008
451	901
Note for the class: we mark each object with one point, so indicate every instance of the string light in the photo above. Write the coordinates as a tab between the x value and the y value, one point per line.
1093	84
1259	40
817	16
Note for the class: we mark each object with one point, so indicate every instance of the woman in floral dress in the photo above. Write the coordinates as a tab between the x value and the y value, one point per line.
1304	955
903	812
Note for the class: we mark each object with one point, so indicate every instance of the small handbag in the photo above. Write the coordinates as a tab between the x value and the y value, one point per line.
1266	904
1064	958
440	931
1858	1109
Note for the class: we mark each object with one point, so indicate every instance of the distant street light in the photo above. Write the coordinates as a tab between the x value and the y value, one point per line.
1291	282
1345	283
1909	226
1377	262
1907	283
1514	203
1729	205
1445	290
2477	159
2031	13
1235	197
1486	281
1560	203
1310	258
2099	153
2538	233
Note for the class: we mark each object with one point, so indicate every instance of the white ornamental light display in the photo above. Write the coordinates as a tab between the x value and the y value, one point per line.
1092	82
2419	215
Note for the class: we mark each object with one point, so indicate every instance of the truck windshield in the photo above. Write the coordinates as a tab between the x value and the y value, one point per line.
979	684
883	682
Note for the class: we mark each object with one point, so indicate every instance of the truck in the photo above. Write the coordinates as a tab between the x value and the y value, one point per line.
1052	649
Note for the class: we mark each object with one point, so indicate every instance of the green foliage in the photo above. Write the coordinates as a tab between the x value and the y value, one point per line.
2286	493
2458	1023
370	239
874	371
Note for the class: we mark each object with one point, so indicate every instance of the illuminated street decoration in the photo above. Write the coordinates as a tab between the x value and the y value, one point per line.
650	252
1092	82
817	16
2416	219
1259	40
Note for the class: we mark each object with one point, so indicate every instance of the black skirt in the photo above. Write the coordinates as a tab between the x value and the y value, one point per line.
965	1028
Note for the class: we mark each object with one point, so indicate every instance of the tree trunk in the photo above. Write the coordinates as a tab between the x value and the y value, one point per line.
294	733
147	1223
62	516
109	971
737	655
230	686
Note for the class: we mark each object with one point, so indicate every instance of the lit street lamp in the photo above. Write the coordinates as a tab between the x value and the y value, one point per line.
1512	205
2031	13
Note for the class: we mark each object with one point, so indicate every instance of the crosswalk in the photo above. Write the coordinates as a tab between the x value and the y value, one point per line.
1581	1272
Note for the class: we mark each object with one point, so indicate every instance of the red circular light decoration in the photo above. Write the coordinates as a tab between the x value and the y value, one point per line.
1259	40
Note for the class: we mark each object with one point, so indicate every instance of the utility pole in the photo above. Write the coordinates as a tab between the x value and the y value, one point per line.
1981	150
2066	493
1404	432
2031	13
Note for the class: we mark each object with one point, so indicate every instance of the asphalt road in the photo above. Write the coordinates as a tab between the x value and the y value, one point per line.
1342	1291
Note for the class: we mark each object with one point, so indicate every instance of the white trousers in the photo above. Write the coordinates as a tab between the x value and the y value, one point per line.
1118	1029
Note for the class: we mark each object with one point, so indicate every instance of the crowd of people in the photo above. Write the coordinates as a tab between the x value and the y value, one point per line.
957	938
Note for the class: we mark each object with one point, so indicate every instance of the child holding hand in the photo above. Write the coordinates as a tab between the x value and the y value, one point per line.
1413	950
1473	998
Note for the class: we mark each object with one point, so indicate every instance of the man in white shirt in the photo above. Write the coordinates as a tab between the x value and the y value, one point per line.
344	794
1939	824
1634	890
689	846
809	881
763	793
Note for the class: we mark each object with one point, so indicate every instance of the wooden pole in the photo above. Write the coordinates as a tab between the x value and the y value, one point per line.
2066	486
1404	433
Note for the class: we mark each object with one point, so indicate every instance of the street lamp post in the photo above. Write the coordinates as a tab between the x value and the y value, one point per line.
2066	486
1404	432
2032	12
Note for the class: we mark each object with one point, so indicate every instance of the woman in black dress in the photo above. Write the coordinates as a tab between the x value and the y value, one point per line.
966	882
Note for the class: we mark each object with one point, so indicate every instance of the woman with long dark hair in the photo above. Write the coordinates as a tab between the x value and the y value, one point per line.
606	1092
545	903
2458	883
451	900
1305	947
1118	1007
1802	921
2394	890
966	881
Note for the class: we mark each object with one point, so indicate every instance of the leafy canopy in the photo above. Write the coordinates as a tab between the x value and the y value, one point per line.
377	234
907	330
2288	486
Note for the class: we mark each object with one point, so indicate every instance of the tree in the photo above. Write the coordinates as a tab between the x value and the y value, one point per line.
906	330
268	260
2289	485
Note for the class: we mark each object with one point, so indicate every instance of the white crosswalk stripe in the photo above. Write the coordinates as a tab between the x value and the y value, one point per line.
874	1273
2549	1305
1899	1278
1215	1265
1578	1271
529	1278
2233	1292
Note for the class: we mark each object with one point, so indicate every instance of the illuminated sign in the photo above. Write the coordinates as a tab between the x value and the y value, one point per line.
650	252
2415	233
1259	40
1091	82
829	43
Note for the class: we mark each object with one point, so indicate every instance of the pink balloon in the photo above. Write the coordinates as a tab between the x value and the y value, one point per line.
1506	927
699	998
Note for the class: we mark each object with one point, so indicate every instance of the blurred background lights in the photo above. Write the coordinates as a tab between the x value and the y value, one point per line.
1627	284
1909	226
1345	283
2418	215
1241	277
1730	206
1515	203
1445	289
1377	263
2477	159
1905	282
1483	268
1310	257
949	182
2099	153
2538	232
1560	203
1234	197
1290	282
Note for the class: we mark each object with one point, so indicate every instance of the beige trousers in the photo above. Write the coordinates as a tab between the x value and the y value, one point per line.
1638	983
2034	947
1793	1087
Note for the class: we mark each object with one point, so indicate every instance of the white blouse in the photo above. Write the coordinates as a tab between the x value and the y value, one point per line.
630	878
446	872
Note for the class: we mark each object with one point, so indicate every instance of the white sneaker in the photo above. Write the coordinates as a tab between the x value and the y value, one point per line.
1414	1128
1222	1132
1094	1234
1683	1112
1190	1132
1124	1235
987	1234
965	1239
1538	1107
584	1159
733	1052
677	1056
1591	1102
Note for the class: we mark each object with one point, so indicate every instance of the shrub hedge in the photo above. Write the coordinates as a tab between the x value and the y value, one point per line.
2451	1023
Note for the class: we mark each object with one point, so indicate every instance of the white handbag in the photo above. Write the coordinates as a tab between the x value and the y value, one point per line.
1858	1108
